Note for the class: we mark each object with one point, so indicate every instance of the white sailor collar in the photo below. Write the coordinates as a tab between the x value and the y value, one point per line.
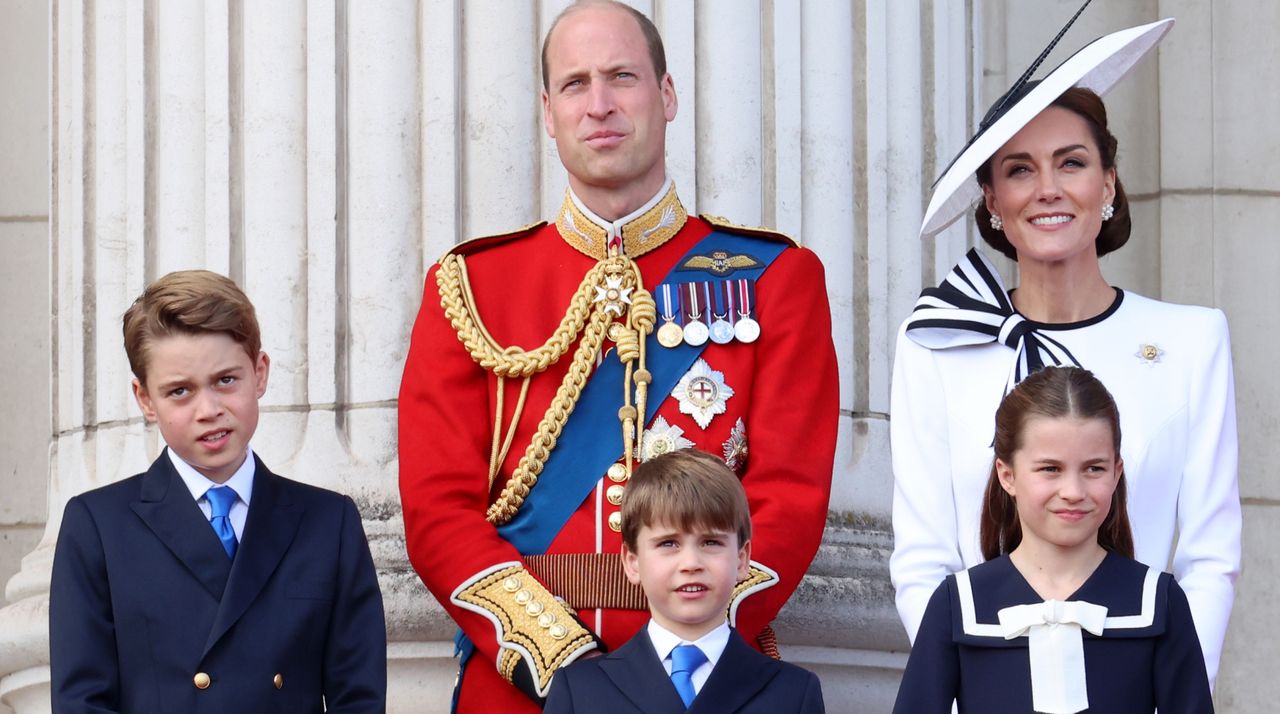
637	233
1135	595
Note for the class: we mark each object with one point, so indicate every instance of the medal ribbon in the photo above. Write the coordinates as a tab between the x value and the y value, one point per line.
746	296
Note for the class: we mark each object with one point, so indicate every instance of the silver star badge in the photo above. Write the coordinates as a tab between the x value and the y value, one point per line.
702	393
662	438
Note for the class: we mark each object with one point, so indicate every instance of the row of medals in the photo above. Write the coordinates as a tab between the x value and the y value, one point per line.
695	331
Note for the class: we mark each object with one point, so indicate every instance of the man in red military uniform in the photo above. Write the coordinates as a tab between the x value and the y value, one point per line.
546	362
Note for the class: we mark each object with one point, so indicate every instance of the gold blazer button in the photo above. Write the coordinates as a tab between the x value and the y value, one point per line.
278	680
201	680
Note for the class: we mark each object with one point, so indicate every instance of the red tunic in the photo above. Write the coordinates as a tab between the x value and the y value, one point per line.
785	392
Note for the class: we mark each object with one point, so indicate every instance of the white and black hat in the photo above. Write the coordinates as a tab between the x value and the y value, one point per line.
1098	66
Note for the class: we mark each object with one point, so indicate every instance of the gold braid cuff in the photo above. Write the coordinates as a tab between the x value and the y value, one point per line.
759	577
532	625
605	294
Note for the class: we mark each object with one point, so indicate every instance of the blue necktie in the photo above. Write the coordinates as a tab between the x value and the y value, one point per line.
684	660
220	500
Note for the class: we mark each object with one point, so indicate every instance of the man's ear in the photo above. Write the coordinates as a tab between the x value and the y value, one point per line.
547	122
630	565
143	398
670	105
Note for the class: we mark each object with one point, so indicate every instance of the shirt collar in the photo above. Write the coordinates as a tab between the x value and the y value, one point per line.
636	233
712	644
197	483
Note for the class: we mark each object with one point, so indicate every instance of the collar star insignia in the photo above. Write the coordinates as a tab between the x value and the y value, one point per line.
702	393
1149	353
662	438
613	295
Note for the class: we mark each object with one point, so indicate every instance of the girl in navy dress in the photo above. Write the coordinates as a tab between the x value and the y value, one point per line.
1060	619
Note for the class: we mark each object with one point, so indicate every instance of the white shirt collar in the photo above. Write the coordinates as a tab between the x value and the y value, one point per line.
197	483
712	644
613	229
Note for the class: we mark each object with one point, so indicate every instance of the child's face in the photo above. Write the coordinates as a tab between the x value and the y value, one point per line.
688	576
1062	480
203	390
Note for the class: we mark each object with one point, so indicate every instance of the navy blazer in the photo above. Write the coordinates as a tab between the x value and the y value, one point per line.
632	680
144	601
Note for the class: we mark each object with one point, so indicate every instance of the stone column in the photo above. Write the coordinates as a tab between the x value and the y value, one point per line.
325	152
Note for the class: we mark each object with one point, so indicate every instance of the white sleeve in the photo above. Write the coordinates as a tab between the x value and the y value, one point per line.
1206	561
924	511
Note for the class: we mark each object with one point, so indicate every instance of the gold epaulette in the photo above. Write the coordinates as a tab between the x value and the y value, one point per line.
729	226
474	245
759	577
532	625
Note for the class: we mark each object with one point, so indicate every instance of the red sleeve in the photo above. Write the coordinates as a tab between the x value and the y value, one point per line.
444	431
791	424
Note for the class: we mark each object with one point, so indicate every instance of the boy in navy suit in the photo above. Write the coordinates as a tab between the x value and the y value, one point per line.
686	533
208	583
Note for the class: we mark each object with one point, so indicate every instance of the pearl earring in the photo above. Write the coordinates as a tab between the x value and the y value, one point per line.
997	224
1108	211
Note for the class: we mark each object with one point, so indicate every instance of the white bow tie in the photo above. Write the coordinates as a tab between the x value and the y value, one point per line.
1056	647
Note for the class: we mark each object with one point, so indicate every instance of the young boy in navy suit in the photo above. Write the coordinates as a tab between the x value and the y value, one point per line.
208	583
686	533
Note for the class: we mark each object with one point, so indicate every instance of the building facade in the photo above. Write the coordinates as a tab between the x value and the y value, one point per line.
324	152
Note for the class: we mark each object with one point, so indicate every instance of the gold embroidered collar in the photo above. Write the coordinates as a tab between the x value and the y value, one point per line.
646	228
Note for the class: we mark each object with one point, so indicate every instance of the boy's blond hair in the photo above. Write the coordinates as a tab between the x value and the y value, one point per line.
188	302
686	489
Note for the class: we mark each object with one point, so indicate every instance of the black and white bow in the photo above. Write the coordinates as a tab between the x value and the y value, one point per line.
971	307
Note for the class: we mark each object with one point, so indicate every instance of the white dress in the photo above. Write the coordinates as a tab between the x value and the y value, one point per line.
1168	367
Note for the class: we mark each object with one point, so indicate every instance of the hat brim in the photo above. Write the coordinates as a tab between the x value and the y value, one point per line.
1098	66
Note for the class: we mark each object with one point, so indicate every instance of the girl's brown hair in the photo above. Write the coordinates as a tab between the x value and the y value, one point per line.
1056	393
1115	232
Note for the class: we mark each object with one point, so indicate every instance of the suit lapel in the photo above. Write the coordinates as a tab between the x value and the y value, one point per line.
167	508
738	676
638	673
269	529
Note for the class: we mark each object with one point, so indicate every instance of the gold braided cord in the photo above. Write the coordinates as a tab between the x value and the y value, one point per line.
589	316
458	303
526	473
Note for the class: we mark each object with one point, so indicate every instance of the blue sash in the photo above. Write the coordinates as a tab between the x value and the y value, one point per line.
589	442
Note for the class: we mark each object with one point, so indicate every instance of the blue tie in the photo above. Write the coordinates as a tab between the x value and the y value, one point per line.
684	660
220	500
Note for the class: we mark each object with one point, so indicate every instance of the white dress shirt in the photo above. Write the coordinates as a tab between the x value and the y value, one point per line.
712	645
241	482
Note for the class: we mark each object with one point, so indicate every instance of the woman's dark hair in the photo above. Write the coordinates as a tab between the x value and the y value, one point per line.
1115	232
1054	392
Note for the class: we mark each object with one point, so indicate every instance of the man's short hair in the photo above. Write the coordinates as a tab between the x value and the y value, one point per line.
651	37
686	489
188	302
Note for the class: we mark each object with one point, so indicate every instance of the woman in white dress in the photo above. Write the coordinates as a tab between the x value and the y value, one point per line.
1051	199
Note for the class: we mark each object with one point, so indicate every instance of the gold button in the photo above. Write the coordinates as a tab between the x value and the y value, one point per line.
523	597
614	494
511	584
278	680
615	521
618	473
201	680
546	620
558	632
533	609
